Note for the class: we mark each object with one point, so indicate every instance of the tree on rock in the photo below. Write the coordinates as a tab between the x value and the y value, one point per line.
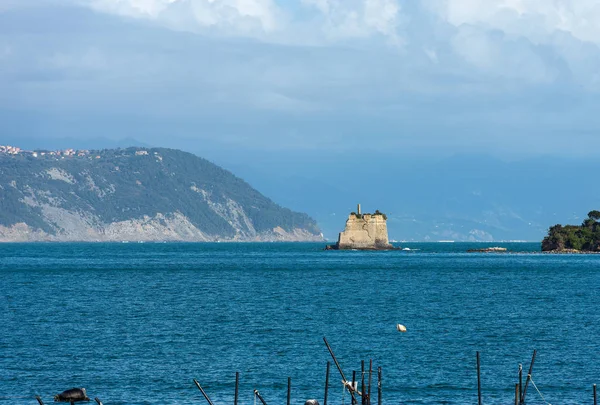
595	215
585	237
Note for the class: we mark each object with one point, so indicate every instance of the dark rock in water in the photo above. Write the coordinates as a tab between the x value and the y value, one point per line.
72	395
311	402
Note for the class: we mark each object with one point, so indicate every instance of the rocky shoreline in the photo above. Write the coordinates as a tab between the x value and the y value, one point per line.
173	227
570	252
542	252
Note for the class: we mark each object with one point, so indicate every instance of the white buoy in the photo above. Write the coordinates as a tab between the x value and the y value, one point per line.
401	328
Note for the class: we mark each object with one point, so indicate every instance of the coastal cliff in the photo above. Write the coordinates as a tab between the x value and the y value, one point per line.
135	194
364	232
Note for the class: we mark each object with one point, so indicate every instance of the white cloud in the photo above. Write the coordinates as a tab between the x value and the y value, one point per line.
358	18
473	50
382	15
248	17
534	19
462	71
494	54
148	8
331	20
540	41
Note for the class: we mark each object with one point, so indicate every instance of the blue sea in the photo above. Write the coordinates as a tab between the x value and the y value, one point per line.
135	323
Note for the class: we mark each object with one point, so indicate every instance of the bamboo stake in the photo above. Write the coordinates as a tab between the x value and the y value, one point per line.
237	385
528	377
289	396
379	386
370	375
478	380
326	383
353	385
259	397
362	382
203	393
520	383
340	369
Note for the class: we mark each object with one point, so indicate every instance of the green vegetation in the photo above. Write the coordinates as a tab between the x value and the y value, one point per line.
122	185
585	237
360	216
382	214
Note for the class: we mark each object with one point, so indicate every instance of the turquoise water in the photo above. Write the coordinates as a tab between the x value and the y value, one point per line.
134	323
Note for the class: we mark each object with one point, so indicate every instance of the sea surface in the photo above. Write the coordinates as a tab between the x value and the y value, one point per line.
135	323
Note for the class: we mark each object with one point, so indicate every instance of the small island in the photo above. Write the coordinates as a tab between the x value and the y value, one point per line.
364	232
584	238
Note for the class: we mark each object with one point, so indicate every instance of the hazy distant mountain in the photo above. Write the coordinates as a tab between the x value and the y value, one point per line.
462	198
136	194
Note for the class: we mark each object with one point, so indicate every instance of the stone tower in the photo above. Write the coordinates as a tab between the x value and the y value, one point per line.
364	231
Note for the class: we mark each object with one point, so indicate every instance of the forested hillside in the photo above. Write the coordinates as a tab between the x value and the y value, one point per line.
584	237
136	194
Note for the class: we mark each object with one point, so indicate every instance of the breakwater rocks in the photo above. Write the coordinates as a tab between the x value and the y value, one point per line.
570	252
489	250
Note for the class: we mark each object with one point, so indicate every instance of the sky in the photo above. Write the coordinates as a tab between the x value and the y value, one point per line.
298	77
459	118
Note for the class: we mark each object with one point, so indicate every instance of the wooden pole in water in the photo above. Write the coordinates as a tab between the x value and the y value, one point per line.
39	399
362	382
528	377
379	386
339	369
203	393
259	397
237	387
370	375
353	384
595	400
326	383
478	380
520	383
289	397
517	394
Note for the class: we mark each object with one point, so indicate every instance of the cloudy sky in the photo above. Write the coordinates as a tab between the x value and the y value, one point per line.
508	76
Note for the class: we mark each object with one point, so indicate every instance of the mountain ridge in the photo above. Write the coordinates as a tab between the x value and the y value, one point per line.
136	194
466	197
